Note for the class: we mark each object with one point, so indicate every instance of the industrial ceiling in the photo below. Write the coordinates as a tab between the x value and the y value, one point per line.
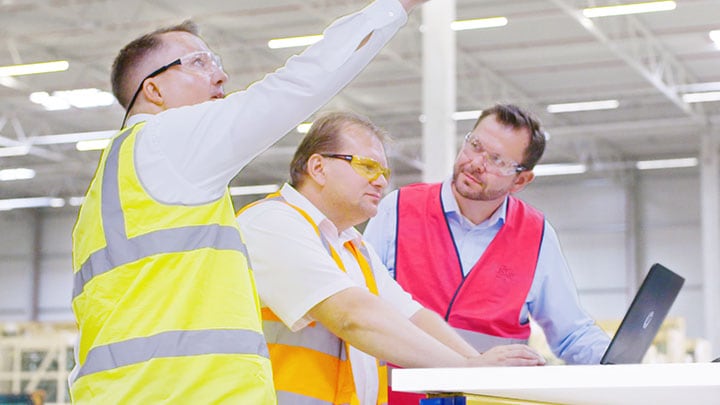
546	54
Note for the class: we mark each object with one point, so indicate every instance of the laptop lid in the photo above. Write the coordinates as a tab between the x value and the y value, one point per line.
644	317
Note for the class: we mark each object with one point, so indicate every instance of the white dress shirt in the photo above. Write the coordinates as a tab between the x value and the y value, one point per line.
188	155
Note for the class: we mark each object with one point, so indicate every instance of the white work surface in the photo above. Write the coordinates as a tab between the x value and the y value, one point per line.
679	383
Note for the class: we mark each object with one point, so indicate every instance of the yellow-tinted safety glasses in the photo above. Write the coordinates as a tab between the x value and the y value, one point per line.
370	169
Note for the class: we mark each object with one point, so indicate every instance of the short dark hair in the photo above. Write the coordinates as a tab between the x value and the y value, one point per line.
129	56
323	137
517	118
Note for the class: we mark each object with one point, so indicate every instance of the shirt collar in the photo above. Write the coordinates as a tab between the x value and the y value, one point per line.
451	206
327	228
135	118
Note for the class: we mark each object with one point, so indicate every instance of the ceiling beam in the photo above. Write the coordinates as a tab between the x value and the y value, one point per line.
631	41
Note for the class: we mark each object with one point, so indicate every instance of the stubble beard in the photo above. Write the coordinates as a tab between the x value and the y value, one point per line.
467	188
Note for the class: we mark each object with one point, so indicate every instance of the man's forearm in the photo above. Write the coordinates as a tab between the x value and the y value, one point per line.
370	324
436	327
409	5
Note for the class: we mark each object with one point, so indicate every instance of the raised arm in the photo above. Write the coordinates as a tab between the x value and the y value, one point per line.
409	5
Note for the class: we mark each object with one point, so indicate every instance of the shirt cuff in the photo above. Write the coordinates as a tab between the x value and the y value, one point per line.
381	14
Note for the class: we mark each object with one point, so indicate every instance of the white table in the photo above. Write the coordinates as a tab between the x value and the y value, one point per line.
631	384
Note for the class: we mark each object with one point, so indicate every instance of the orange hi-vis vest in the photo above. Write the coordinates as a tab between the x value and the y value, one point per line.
312	366
164	299
484	305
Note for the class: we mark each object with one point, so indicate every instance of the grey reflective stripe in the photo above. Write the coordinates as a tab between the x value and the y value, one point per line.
173	344
482	342
162	241
120	250
111	209
316	338
291	398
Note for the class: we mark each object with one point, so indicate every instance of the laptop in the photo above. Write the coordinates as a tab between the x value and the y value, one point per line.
644	317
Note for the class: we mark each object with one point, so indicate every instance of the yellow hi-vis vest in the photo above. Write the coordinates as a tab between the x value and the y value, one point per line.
312	366
164	298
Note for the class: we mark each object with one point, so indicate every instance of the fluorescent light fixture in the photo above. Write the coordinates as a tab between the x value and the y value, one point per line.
34	68
666	163
81	98
35	202
701	97
11	82
304	128
253	190
95	144
583	106
20	150
72	137
634	8
557	169
49	102
76	201
293	42
715	36
16	174
478	23
466	115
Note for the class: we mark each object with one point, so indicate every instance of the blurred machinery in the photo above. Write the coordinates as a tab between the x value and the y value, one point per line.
35	360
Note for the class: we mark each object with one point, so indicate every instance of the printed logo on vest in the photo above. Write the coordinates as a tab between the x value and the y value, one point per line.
504	273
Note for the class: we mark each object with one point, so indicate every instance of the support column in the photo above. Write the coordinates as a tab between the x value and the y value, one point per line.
439	88
710	226
34	297
634	235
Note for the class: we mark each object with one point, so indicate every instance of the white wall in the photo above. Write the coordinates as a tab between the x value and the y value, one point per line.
594	226
590	216
26	251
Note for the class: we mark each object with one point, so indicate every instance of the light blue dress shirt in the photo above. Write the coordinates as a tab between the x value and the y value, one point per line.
552	301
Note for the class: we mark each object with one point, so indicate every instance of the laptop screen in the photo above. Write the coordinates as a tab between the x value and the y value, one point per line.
644	317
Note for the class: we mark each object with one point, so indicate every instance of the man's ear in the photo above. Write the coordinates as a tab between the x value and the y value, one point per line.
151	92
316	169
522	180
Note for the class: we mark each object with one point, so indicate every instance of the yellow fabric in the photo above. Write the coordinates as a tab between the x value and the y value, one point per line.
209	379
202	289
309	372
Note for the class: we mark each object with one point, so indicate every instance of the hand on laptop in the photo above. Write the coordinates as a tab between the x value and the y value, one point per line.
509	355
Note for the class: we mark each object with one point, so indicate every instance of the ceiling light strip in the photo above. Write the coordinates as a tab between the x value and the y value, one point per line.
21	150
16	174
583	106
478	23
34	68
715	36
634	8
666	163
466	115
701	97
33	202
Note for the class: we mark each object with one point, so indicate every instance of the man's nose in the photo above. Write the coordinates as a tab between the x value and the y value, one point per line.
219	76
479	161
381	181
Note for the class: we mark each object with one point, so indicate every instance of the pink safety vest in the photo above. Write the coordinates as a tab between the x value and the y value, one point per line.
489	299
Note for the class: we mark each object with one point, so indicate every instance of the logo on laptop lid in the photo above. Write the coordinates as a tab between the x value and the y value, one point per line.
648	319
